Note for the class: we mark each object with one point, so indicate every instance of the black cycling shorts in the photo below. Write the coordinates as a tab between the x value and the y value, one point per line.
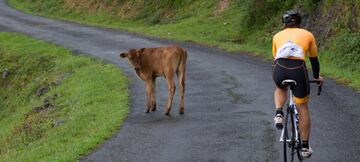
296	70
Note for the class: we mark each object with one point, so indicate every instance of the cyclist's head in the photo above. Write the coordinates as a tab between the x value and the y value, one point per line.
291	18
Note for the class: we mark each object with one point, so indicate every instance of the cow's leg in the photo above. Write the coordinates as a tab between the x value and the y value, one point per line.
181	78
153	98
171	92
148	85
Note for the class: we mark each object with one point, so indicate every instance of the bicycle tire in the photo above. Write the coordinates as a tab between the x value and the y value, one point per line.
285	136
293	140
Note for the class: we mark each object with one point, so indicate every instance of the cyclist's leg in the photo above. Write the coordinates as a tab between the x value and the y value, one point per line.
301	96
304	121
304	124
280	94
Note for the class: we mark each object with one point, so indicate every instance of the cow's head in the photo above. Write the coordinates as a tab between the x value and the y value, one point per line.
134	57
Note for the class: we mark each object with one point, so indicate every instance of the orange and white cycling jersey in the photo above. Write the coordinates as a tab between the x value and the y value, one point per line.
294	43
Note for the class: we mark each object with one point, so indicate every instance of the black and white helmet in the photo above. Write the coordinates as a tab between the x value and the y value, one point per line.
291	16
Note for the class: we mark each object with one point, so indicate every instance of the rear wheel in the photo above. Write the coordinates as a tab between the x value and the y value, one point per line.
289	141
285	137
293	140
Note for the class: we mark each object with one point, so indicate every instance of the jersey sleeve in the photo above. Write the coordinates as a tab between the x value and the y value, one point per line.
312	47
273	48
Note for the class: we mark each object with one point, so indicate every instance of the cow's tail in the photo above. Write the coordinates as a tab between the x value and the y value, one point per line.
182	62
181	76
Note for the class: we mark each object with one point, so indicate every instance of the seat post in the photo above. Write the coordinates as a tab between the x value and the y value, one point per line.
291	98
290	83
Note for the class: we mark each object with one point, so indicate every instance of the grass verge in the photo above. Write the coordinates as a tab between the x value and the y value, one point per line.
241	27
55	106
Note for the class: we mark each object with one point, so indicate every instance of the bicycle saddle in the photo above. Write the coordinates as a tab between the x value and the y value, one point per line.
288	82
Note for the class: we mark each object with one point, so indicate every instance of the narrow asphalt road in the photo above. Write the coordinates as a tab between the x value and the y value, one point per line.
228	102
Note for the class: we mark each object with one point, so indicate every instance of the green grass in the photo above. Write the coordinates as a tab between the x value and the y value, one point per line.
86	101
244	26
195	27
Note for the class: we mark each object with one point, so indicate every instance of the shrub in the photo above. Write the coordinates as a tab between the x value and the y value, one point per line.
346	51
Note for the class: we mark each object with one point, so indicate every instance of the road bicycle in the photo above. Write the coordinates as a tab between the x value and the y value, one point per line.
290	131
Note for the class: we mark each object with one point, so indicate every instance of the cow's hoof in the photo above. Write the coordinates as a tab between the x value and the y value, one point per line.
181	110
167	114
153	109
146	111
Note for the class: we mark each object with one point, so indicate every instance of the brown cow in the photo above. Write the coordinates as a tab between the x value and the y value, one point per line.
150	63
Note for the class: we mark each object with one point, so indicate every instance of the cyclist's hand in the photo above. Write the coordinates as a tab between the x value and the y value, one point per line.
320	79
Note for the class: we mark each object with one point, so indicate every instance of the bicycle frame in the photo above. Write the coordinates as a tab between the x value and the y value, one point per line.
291	138
291	107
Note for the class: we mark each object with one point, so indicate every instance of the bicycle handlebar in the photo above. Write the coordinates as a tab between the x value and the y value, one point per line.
319	86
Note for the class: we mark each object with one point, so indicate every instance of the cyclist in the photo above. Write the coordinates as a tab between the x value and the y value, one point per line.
289	48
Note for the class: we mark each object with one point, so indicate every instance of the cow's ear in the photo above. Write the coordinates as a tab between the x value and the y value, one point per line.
140	51
123	55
